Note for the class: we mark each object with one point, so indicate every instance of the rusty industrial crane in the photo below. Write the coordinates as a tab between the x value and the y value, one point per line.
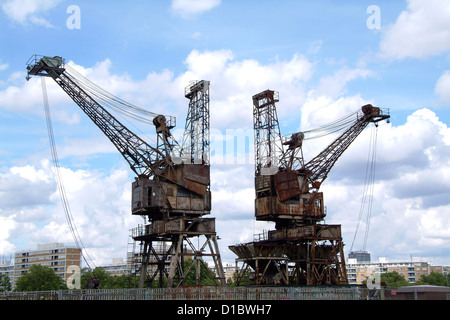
172	184
300	250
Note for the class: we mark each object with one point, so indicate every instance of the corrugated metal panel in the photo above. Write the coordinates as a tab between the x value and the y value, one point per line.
286	184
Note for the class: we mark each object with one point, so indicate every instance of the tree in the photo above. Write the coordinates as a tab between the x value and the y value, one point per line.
40	278
124	281
107	281
5	284
244	278
434	279
206	277
394	280
97	273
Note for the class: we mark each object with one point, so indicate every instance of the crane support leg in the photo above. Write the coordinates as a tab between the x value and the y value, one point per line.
310	255
180	233
145	259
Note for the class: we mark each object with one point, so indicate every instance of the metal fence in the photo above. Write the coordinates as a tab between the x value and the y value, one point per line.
204	293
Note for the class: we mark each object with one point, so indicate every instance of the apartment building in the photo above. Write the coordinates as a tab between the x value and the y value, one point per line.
54	255
229	270
358	270
117	268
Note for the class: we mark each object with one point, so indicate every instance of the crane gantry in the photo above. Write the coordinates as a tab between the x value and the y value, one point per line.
172	184
300	250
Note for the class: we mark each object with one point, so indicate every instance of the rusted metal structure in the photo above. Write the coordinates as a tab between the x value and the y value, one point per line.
187	193
301	250
172	184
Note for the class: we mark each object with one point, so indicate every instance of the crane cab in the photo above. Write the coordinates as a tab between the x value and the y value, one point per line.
182	190
282	197
146	196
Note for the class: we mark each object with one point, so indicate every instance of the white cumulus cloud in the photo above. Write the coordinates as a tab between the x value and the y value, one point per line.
421	31
28	12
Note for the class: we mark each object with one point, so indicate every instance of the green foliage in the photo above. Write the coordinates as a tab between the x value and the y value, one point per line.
394	280
206	278
434	279
108	281
190	279
243	281
40	278
5	284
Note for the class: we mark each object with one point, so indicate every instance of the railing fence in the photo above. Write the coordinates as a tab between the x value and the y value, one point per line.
206	293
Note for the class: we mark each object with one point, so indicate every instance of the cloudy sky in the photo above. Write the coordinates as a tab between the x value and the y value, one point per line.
325	60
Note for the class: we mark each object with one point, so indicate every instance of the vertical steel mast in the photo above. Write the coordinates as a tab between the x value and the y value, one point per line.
195	147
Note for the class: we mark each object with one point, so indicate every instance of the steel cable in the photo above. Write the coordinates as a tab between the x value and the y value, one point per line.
110	100
60	184
369	182
332	127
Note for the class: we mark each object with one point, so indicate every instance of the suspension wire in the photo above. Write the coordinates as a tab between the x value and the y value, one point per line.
372	186
340	125
109	101
369	182
60	184
335	126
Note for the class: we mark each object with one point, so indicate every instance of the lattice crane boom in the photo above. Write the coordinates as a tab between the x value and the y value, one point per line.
316	170
166	184
143	159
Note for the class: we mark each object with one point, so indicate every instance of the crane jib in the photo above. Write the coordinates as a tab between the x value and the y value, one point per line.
140	155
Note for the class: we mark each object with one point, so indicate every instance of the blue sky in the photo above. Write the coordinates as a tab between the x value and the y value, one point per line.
325	60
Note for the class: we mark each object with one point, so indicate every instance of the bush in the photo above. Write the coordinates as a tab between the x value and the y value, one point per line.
40	278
